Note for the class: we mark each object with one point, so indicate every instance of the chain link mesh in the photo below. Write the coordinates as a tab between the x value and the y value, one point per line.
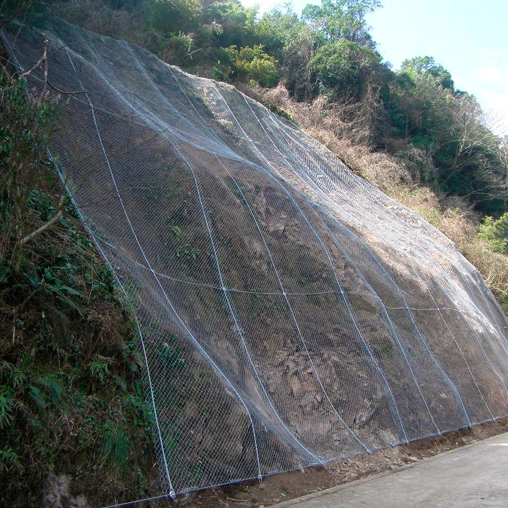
289	312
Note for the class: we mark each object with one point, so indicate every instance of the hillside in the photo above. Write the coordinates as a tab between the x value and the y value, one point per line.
73	418
290	313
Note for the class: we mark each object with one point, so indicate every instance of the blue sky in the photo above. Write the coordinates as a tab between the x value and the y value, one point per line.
469	38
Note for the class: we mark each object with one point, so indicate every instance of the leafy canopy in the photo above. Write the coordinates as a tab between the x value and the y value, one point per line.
337	19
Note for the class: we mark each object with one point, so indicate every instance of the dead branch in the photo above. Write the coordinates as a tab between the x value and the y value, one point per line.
43	61
46	225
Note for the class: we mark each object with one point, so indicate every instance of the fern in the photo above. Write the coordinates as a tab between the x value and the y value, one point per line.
9	460
6	407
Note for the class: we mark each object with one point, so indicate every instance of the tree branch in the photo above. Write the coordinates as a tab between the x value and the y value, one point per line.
43	60
46	225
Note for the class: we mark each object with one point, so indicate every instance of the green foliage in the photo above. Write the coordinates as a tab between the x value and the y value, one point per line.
173	48
345	68
116	445
495	232
277	29
187	252
26	123
178	232
9	461
170	355
184	249
172	16
100	367
419	106
296	55
6	407
9	9
69	397
465	157
235	22
253	64
427	66
280	112
329	51
342	19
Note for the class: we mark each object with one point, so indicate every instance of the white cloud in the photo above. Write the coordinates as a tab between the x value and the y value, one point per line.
495	106
491	53
489	83
489	74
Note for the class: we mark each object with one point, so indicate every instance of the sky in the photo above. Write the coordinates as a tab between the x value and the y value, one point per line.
468	38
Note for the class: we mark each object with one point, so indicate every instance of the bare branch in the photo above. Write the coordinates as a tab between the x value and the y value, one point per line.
46	225
56	89
43	60
39	62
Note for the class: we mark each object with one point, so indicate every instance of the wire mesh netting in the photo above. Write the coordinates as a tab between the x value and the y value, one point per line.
289	312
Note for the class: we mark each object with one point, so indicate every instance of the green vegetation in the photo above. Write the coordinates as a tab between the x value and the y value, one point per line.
71	398
496	233
324	56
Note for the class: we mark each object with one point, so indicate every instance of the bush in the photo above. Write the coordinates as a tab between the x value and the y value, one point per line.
70	397
253	64
495	232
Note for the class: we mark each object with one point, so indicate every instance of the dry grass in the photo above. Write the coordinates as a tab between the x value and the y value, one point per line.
397	177
344	129
492	265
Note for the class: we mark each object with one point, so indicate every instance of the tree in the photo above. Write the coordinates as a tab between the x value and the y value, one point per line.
426	65
173	16
495	232
277	29
345	68
235	21
9	9
296	57
470	158
26	208
418	104
342	19
465	158
254	64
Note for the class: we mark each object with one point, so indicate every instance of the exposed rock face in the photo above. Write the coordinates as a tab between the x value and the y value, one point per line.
57	493
290	312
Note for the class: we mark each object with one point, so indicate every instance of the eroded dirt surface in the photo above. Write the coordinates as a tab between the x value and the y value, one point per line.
282	487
